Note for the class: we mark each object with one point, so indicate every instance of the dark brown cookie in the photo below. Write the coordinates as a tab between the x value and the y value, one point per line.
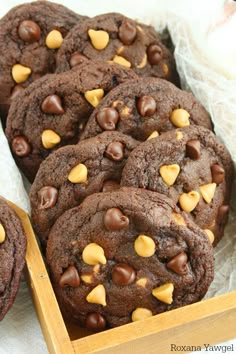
191	166
30	35
126	255
71	173
141	107
12	256
114	37
52	112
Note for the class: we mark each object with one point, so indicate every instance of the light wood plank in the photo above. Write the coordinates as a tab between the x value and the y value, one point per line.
207	322
52	324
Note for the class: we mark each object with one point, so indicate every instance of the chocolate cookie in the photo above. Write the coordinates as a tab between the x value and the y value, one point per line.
12	256
191	166
53	111
116	38
30	35
127	255
149	105
71	173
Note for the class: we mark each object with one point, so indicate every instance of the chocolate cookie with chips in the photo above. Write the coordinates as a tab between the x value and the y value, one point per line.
12	256
127	255
146	106
30	35
115	38
73	172
192	167
52	112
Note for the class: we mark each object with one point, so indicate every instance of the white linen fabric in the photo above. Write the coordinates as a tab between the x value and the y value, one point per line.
203	33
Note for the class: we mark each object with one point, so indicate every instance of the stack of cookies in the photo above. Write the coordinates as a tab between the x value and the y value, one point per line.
130	185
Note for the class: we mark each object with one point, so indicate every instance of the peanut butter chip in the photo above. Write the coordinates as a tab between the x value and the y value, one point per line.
165	69
122	61
169	173
2	234
210	235
153	135
164	293
78	174
20	73
180	118
125	111
144	246
120	50
54	39
88	279
117	103
179	135
142	282
50	139
143	62
93	254
140	314
99	39
94	96
178	219
208	191
96	268
189	201
97	295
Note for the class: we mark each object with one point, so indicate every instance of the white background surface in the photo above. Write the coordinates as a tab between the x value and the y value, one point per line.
20	331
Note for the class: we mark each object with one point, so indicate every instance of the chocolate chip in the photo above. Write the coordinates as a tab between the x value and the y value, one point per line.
179	263
47	197
115	151
146	106
217	173
223	215
70	278
20	146
29	31
154	53
114	220
109	186
95	321
16	90
107	118
127	32
52	104
123	274
77	58
193	149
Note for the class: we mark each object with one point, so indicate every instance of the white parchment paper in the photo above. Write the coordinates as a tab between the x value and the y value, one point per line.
206	69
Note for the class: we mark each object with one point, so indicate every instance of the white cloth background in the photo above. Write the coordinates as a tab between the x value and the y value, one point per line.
20	332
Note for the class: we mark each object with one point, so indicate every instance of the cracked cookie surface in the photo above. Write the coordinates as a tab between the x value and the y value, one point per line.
126	255
30	35
145	106
191	166
73	172
115	38
52	112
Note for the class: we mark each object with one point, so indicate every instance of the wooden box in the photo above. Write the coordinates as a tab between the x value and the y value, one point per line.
207	322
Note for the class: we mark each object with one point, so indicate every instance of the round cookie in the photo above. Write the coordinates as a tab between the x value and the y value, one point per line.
116	38
141	107
30	35
12	255
126	255
53	111
192	167
73	172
